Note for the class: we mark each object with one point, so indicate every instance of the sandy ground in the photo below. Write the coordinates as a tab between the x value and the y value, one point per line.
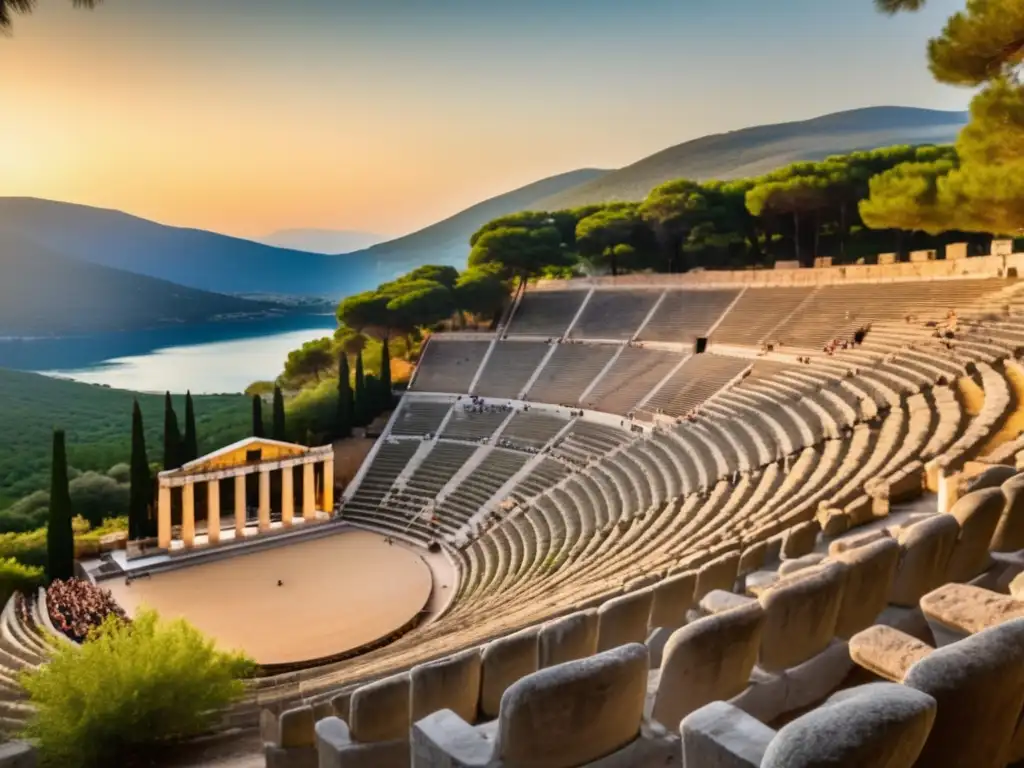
339	592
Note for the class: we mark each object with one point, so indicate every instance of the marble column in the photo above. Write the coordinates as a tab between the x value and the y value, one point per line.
164	517
308	492
328	505
239	507
213	512
287	495
264	508
188	515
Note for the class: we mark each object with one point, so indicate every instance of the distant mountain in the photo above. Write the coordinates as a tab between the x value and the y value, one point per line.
321	240
189	257
447	242
44	293
753	151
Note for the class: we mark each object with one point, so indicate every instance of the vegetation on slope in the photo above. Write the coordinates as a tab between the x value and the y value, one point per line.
98	423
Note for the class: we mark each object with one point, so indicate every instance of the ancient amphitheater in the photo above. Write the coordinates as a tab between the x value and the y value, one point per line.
721	519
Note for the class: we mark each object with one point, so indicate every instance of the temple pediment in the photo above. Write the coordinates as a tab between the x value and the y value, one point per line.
252	450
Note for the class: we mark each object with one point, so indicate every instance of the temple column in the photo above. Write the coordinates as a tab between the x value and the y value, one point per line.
239	507
188	515
264	508
213	512
287	495
163	520
328	505
308	492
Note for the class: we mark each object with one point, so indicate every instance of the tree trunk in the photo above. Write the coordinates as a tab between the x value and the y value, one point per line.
843	233
796	236
612	261
817	235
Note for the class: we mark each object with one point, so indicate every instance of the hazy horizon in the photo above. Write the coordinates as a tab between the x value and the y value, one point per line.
249	117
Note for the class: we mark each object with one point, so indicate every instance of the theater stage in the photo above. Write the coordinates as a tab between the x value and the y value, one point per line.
338	593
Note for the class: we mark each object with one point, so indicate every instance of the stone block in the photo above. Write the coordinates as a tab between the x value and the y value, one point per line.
341	704
503	662
17	754
926	547
881	725
296	728
380	710
1009	533
451	683
789	567
870	571
800	616
568	638
979	686
753	558
978	514
624	620
707	660
336	749
855	540
673	597
719	573
800	540
957	610
956	251
993	477
719	735
887	652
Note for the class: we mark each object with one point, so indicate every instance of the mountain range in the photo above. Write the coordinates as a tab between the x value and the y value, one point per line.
321	240
76	239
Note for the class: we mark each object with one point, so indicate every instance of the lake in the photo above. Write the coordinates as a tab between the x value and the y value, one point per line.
212	358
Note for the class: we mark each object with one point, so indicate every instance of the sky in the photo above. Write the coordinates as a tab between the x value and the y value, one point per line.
250	116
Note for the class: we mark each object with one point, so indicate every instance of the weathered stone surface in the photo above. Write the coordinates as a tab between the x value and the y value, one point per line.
707	660
887	652
926	548
673	597
270	731
380	710
801	613
753	558
993	477
718	600
882	725
979	686
503	662
788	567
623	620
452	683
719	573
969	609
296	728
1009	533
857	540
568	638
335	748
1017	586
341	704
978	514
17	754
719	735
574	713
870	570
800	540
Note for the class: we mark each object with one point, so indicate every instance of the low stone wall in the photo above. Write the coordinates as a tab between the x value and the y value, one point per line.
978	267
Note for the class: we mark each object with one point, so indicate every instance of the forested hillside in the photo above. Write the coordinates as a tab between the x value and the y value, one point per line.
98	425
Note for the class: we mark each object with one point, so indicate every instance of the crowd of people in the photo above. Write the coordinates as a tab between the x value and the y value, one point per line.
77	607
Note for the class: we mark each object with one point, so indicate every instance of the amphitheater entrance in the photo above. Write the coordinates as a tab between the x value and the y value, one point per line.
701	345
295	604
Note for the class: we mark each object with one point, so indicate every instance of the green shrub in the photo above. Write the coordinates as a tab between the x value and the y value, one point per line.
15	577
128	691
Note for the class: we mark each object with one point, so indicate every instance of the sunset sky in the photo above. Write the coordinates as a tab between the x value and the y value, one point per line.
248	116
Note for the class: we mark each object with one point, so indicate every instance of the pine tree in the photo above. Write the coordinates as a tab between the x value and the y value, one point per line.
343	426
190	449
60	538
172	436
140	497
257	416
279	424
362	409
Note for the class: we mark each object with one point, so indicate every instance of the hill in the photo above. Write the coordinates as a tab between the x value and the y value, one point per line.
189	257
321	240
98	425
447	242
43	293
753	151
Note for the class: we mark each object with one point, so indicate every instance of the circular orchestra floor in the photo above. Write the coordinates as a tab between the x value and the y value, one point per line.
337	593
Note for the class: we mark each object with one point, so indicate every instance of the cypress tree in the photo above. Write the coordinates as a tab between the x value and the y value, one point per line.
343	428
279	425
257	416
361	411
385	385
140	497
172	436
373	397
190	449
60	539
